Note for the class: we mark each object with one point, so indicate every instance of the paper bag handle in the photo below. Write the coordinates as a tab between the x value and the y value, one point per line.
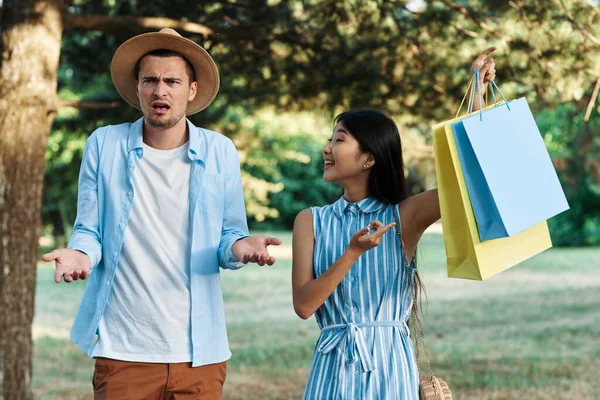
471	87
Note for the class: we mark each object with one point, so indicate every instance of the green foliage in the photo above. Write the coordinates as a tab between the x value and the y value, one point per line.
303	182
282	163
63	157
283	63
574	146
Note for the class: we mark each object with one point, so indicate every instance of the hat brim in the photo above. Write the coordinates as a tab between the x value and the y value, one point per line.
127	55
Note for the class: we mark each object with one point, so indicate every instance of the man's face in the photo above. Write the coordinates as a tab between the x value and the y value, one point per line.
164	90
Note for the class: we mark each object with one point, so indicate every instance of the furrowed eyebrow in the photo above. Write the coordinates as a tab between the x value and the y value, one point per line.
166	79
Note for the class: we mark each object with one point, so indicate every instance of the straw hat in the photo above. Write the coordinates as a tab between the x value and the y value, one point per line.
127	55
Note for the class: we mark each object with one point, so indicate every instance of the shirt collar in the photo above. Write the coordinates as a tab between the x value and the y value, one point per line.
197	150
134	140
368	205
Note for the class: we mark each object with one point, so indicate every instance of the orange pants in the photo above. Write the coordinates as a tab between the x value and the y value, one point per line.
124	380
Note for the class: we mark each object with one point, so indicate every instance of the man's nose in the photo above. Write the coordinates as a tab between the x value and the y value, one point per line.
160	89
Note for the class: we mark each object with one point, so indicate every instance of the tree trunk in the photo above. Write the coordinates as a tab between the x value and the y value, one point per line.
31	37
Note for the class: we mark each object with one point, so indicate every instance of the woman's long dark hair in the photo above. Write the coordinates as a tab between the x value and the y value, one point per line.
378	134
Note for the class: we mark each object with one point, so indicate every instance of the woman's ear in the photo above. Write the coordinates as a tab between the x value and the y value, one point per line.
369	162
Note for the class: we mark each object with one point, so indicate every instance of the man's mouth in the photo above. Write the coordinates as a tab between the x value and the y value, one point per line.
329	163
160	108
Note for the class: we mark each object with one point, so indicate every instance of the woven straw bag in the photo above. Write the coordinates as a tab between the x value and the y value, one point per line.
433	388
430	387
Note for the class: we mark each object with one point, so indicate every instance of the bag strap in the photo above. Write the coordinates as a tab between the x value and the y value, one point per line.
415	311
475	82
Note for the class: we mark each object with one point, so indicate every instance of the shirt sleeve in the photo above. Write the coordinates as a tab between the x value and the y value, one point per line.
235	225
86	233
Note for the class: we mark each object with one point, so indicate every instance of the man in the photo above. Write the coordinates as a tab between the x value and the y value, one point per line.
160	208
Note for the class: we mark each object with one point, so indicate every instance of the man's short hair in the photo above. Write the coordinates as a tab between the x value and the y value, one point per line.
164	53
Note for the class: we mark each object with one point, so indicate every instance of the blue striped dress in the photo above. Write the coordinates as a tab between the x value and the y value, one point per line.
364	349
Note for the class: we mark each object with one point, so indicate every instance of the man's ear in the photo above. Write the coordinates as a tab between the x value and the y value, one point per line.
193	91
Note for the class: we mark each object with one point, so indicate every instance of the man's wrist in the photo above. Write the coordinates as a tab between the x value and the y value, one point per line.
88	257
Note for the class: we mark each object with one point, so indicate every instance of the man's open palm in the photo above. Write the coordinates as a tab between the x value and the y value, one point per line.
70	264
254	249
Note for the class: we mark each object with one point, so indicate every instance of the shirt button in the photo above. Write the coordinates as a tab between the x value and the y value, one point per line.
130	193
107	283
356	371
115	254
351	278
121	225
354	309
130	165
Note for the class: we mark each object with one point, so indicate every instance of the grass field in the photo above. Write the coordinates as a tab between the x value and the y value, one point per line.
532	332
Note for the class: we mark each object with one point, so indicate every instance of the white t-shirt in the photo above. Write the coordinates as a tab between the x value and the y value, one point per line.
147	318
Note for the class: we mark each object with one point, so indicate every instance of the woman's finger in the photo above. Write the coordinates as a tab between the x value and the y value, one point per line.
383	230
363	231
483	55
375	225
483	70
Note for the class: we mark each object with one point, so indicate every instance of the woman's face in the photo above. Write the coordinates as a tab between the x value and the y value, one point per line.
343	159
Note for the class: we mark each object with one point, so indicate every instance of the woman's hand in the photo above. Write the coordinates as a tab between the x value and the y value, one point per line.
361	241
487	68
487	73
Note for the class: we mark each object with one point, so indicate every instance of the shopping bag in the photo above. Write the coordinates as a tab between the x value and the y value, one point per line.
508	172
467	256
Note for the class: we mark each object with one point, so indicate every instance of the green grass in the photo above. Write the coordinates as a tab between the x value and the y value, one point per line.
531	332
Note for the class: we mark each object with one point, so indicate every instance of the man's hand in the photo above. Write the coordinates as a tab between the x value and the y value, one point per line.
254	249
70	264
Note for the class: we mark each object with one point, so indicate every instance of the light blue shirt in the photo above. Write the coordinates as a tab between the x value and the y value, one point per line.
217	221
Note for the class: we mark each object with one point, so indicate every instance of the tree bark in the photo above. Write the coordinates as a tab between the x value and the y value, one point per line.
31	37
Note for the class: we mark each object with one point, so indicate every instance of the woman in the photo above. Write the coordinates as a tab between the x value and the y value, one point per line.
355	281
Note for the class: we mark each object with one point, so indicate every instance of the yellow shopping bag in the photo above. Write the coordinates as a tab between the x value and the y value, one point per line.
467	256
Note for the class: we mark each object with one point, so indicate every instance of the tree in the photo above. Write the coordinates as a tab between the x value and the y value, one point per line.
31	36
